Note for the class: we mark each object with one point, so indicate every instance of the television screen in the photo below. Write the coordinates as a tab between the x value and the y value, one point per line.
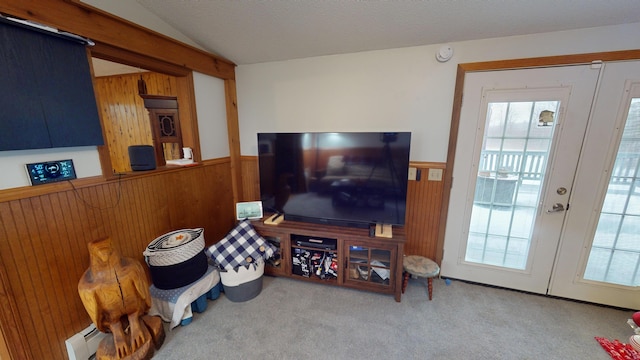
351	179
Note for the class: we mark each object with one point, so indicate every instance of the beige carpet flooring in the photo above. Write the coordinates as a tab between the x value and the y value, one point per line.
294	319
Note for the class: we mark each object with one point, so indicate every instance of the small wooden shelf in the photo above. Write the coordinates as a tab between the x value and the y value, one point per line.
362	262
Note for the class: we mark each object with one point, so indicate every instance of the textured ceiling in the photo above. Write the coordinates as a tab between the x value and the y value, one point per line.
254	31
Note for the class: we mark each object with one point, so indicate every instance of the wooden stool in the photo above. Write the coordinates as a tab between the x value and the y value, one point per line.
420	267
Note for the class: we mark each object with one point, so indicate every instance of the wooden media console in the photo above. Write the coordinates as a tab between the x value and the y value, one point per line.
334	255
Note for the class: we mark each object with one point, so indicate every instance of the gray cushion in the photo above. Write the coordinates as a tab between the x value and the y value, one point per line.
420	266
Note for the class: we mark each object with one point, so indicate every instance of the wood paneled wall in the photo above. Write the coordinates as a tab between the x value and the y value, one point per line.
43	243
43	239
250	178
424	203
424	208
124	117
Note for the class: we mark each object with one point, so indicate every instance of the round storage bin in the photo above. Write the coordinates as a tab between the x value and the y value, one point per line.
244	282
177	258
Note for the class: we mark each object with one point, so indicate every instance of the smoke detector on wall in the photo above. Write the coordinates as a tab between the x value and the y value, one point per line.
444	53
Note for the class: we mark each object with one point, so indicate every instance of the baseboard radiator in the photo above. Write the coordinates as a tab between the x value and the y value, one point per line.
83	345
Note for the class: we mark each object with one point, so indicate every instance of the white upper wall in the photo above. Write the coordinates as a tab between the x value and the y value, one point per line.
212	116
403	89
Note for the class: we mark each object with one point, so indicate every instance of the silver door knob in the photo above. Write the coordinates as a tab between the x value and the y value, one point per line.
557	207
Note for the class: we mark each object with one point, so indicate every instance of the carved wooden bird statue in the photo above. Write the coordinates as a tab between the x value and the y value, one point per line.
115	293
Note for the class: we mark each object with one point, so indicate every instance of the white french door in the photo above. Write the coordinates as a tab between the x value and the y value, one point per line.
516	207
599	255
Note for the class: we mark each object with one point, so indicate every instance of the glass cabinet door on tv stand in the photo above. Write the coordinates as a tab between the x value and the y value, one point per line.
370	265
276	265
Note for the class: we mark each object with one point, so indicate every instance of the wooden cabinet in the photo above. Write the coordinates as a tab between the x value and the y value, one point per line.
165	126
338	256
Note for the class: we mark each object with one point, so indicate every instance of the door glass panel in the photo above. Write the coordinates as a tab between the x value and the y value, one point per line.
511	171
615	253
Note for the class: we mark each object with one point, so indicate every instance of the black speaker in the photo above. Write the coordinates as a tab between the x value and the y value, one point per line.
142	157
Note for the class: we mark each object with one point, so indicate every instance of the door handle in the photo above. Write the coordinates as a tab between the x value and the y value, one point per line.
557	207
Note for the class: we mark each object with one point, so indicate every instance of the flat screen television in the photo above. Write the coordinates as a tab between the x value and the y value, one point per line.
353	179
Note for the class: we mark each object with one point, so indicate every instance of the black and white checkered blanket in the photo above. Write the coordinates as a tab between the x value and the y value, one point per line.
242	246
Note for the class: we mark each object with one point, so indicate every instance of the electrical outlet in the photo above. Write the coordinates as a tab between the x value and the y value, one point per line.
413	173
435	175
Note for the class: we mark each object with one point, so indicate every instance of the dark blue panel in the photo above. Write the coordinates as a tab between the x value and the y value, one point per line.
22	124
50	100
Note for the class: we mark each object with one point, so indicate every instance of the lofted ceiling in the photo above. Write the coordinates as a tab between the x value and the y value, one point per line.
255	31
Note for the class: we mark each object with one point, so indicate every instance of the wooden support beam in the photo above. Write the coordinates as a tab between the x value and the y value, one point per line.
233	132
100	26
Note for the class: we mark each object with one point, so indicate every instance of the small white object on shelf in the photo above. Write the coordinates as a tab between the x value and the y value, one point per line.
180	162
188	154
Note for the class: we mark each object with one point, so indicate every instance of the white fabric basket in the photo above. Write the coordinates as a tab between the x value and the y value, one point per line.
174	247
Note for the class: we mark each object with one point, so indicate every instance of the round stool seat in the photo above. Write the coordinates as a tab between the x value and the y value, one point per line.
420	266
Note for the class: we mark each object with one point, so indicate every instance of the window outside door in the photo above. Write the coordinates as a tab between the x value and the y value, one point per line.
513	159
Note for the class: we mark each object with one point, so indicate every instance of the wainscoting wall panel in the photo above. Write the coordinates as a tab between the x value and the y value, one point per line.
43	243
424	202
250	178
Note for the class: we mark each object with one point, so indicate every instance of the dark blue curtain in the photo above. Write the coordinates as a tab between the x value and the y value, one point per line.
46	91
